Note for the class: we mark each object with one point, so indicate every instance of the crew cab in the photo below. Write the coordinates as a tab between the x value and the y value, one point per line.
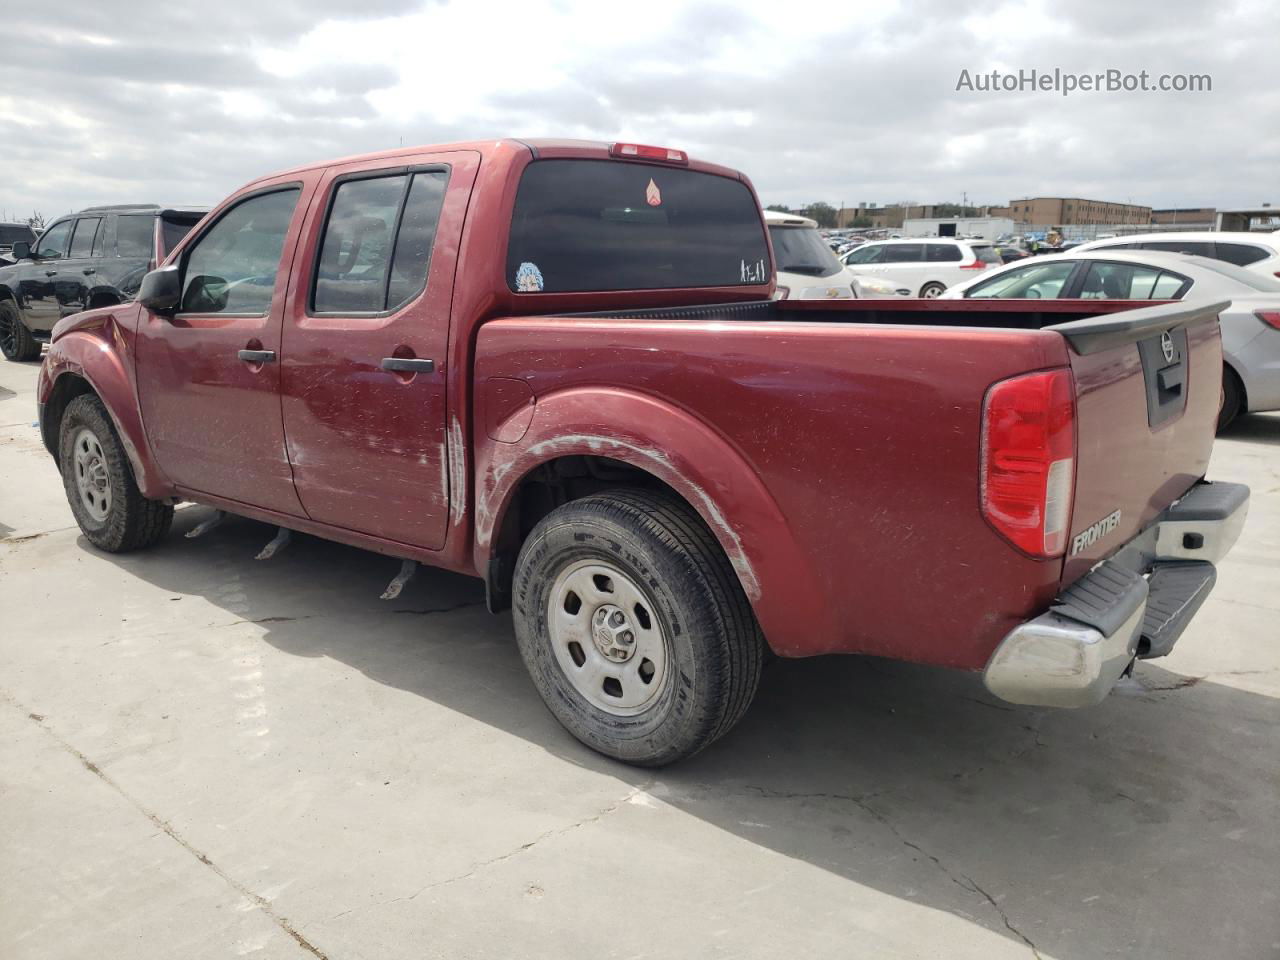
559	367
93	258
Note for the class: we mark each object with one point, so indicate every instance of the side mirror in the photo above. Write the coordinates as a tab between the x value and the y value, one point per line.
161	289
21	250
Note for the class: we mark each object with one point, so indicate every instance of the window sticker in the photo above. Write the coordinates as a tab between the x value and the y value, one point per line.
528	278
754	272
652	195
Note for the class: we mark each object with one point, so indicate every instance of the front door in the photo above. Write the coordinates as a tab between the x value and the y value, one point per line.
365	345
37	287
209	373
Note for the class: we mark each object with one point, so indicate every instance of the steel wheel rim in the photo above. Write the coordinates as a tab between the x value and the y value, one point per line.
592	608
93	479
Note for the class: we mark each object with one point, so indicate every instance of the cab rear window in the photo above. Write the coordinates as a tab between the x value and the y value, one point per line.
591	225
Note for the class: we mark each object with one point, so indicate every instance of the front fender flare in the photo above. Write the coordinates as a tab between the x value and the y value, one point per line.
693	459
96	354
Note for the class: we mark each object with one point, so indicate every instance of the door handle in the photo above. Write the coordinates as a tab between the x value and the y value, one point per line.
89	270
257	356
409	364
51	273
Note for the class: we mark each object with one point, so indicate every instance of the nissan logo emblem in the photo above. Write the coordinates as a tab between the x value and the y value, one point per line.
1166	344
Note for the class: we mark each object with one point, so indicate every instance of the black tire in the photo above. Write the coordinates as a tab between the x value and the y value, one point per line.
1232	398
16	342
131	521
715	648
931	290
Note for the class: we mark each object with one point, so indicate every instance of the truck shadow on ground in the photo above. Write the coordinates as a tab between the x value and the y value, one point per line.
1140	827
1255	428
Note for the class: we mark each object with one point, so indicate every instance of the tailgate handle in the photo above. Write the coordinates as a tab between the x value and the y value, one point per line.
1172	379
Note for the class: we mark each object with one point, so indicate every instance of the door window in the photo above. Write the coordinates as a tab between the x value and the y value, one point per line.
1123	281
232	267
1038	281
1197	247
82	239
52	244
377	243
1241	254
134	235
870	253
942	253
416	237
903	252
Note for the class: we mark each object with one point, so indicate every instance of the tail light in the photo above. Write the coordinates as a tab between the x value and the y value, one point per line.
638	151
976	265
1028	460
1270	317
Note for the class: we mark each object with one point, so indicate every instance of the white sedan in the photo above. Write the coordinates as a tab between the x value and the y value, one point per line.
1250	327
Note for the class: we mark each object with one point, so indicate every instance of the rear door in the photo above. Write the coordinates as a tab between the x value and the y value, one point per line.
904	263
365	345
1147	412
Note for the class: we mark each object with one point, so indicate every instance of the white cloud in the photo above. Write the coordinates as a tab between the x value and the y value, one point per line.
814	100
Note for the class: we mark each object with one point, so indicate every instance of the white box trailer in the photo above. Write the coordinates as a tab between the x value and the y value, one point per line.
985	228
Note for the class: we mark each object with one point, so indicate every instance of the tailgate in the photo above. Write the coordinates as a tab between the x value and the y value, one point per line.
1148	385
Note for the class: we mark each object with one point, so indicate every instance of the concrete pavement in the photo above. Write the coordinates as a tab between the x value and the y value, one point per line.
208	756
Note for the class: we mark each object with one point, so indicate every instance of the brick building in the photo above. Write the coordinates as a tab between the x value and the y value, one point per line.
1071	211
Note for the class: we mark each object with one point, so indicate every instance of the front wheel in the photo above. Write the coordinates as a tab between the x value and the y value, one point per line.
931	291
634	627
96	474
16	341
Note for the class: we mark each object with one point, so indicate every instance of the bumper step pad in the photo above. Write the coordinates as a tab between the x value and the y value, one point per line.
1175	593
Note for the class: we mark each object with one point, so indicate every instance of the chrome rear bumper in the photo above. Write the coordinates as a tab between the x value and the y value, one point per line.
1135	604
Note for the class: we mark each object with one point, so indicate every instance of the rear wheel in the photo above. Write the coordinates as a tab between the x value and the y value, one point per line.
634	627
1232	398
16	342
111	511
931	291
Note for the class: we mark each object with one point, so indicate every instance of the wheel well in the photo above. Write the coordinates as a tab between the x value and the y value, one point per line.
547	486
65	389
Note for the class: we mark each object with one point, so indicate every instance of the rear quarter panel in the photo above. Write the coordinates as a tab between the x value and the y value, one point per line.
863	438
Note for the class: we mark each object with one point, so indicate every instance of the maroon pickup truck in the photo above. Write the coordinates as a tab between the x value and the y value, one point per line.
557	366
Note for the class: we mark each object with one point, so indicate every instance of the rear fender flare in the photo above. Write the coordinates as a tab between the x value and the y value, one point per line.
687	455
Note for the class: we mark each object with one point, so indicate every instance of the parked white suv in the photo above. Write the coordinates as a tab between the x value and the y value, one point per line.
808	270
1254	251
926	266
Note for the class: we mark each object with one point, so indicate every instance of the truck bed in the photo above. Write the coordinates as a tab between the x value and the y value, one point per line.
861	422
994	314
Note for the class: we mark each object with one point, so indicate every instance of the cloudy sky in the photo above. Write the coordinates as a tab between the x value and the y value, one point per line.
174	101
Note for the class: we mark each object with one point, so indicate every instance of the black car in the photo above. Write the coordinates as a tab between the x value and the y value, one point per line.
11	233
94	258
